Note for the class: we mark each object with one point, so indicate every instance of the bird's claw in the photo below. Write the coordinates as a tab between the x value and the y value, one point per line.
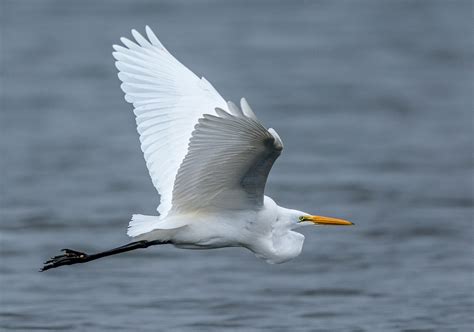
69	257
73	253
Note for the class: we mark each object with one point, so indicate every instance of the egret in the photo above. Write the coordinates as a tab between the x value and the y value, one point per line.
208	159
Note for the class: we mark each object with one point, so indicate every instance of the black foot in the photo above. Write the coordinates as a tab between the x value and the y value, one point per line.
68	258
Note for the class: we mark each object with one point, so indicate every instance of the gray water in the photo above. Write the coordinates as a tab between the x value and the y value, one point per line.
373	100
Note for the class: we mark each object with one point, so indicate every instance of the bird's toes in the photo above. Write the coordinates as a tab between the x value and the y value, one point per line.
54	258
73	253
69	257
51	260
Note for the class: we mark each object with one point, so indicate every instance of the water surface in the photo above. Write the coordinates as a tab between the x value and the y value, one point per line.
373	102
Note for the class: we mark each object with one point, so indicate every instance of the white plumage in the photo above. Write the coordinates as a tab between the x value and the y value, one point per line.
209	160
168	100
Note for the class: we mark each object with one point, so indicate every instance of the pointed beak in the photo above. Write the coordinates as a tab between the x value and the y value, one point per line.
321	220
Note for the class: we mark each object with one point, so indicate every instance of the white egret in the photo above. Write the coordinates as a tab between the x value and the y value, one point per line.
208	159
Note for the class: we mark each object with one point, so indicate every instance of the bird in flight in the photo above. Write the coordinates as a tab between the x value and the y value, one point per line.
209	160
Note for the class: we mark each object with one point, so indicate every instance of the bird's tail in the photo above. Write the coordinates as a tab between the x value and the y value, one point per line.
141	224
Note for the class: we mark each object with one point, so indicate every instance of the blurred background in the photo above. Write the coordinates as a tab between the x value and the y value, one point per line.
373	100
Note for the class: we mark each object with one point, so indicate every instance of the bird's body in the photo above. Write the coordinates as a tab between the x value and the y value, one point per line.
209	160
263	231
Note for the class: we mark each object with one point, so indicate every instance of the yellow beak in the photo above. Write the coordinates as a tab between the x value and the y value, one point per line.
321	220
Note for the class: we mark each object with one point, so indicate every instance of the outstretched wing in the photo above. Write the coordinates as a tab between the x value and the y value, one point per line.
227	165
168	100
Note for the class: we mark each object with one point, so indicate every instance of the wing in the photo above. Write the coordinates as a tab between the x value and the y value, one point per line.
227	165
168	100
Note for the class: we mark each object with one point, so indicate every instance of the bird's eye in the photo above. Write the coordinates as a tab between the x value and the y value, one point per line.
301	218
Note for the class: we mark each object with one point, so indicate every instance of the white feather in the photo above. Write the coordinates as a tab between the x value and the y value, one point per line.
229	158
168	100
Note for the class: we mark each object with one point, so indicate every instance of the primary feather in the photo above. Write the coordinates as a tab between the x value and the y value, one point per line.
168	100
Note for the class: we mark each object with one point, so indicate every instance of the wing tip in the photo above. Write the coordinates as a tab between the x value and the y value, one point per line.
278	142
234	109
247	110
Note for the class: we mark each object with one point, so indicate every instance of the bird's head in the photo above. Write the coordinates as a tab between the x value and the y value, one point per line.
288	243
294	219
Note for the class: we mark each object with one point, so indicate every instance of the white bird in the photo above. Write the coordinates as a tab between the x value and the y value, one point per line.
208	159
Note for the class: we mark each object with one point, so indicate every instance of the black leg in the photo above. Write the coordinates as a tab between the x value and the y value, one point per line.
74	257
